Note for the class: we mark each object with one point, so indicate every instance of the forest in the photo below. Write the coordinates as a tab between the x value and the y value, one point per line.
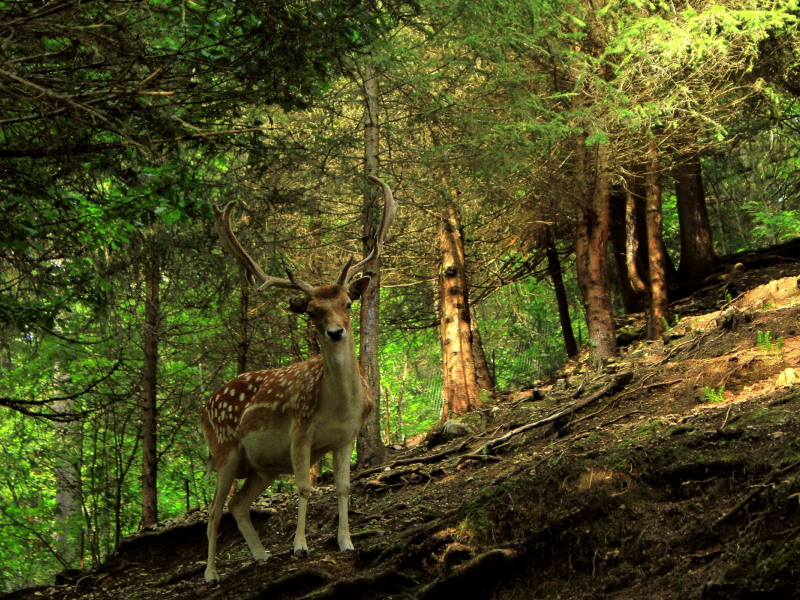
561	167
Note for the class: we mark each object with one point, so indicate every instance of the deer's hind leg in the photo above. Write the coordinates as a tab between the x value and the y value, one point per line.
226	473
253	487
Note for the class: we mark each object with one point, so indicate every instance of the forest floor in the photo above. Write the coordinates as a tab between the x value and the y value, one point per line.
640	480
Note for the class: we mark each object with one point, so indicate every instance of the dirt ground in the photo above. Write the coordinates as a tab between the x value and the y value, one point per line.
670	474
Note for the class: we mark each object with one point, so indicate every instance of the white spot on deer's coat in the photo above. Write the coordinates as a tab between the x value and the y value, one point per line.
241	397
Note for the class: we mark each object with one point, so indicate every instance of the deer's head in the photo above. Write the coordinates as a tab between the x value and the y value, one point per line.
328	306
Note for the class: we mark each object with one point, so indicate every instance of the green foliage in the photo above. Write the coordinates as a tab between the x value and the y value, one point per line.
715	395
482	103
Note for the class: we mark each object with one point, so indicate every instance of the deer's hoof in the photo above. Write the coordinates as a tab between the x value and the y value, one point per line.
301	552
261	558
212	576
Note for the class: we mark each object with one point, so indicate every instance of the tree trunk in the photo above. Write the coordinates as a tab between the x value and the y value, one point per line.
698	258
66	485
388	405
631	298
370	448
591	250
636	257
658	311
151	327
460	385
485	379
554	270
243	343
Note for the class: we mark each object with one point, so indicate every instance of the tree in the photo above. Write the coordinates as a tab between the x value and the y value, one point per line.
370	447
697	248
554	270
460	387
152	323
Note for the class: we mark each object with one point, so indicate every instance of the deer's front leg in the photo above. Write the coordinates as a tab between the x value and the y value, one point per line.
341	475
301	465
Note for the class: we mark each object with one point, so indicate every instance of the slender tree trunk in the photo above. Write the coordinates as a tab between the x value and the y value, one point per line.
151	330
66	484
370	448
312	343
460	385
243	343
401	435
484	377
591	250
554	270
388	404
636	258
631	298
698	258
658	301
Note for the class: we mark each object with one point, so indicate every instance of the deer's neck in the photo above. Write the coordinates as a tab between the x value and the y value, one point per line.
341	378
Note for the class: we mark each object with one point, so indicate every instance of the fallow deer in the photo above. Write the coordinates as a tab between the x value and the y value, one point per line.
267	423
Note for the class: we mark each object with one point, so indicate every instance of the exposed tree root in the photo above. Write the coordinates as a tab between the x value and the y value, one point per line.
618	382
299	580
468	580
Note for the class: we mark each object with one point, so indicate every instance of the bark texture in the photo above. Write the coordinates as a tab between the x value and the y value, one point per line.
632	299
152	319
482	372
591	247
370	448
658	307
67	484
460	385
636	258
698	258
554	270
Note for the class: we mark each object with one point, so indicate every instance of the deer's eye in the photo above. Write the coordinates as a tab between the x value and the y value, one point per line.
349	304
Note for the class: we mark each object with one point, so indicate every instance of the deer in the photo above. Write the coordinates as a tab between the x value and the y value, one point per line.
267	423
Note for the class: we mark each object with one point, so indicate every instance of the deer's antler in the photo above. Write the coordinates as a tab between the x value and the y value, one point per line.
231	245
389	212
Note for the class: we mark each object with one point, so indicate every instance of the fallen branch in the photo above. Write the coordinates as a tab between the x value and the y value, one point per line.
619	381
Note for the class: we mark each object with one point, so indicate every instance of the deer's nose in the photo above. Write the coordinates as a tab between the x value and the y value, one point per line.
335	334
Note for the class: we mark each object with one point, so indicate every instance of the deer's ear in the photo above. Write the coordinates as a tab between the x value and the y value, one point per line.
298	305
358	288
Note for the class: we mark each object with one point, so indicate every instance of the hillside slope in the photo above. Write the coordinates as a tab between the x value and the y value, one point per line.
643	480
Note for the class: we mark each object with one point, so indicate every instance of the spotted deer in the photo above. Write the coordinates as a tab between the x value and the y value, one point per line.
266	423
